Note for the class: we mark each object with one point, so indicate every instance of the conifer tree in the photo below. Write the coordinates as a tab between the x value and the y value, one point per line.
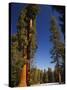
57	49
27	38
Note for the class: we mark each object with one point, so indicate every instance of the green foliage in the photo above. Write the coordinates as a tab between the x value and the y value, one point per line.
55	39
36	76
58	49
45	76
56	78
23	22
17	62
61	11
50	77
32	11
26	36
33	45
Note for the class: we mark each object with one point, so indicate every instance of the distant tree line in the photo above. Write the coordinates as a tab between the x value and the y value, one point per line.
38	76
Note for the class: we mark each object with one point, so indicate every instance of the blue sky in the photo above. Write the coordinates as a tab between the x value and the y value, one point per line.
42	56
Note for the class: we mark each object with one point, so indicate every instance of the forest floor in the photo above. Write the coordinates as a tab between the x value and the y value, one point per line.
46	84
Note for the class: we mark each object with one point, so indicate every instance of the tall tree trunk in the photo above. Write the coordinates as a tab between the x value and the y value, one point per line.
59	74
59	77
28	74
25	73
22	82
23	77
28	51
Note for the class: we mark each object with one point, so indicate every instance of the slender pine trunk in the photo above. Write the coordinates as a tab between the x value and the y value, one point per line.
59	77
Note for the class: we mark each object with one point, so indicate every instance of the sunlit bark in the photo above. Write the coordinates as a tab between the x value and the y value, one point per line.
25	73
23	77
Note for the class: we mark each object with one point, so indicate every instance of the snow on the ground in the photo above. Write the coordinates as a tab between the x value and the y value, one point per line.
45	84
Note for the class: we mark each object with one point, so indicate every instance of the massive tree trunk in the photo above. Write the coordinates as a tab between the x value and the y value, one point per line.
22	82
25	73
23	77
28	51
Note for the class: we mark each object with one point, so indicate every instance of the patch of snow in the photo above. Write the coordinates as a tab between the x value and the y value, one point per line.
46	84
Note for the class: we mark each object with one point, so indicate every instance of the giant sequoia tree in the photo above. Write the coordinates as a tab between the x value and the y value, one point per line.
27	39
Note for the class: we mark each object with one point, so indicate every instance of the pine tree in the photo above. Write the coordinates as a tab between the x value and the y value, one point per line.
56	50
41	76
50	77
45	76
